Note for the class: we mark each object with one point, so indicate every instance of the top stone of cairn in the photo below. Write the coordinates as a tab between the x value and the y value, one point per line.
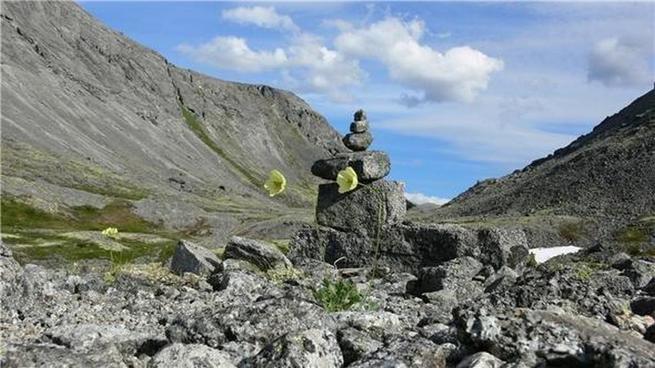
360	138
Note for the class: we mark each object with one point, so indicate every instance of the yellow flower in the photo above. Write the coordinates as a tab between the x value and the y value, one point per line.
347	180
110	232
276	183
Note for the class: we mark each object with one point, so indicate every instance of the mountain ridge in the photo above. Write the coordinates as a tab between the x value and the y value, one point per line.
606	176
87	109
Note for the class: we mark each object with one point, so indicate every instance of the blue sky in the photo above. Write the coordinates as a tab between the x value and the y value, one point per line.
455	91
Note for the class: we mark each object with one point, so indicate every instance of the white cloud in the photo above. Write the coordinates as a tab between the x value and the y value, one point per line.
233	53
316	68
306	64
458	74
619	62
266	17
420	198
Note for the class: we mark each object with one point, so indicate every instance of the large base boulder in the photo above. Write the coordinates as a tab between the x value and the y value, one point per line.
364	210
401	248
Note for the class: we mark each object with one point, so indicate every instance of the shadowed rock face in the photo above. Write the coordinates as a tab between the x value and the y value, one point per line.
85	107
607	174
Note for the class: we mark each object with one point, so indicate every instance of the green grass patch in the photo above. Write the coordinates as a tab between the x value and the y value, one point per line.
74	250
17	216
338	295
196	127
572	231
636	237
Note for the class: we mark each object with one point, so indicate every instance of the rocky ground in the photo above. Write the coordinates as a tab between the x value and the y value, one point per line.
257	308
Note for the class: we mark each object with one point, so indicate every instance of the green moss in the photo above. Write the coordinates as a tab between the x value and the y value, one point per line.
281	244
281	275
196	127
585	270
337	295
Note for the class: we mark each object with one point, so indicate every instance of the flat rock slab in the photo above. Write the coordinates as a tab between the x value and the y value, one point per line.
364	210
263	255
189	257
369	165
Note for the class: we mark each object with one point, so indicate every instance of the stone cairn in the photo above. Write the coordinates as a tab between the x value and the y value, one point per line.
375	203
365	227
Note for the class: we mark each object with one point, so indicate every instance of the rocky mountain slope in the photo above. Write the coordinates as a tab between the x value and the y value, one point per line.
253	309
90	116
607	175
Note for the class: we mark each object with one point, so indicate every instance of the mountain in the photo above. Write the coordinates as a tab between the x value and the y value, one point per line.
91	118
607	175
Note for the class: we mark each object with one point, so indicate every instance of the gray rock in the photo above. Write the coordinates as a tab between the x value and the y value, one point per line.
650	334
86	337
444	302
549	338
650	287
639	271
360	115
503	247
504	279
35	355
481	360
313	348
358	141
190	356
379	363
437	243
369	165
451	275
402	248
440	333
364	210
376	324
643	306
239	284
263	255
409	350
192	258
356	344
359	126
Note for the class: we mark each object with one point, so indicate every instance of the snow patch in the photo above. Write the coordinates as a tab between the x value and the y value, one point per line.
541	255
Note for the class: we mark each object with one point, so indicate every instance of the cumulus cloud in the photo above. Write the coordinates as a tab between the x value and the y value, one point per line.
266	17
617	62
235	54
317	68
458	74
306	64
420	198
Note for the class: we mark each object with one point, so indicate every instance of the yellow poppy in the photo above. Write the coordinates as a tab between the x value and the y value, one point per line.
347	180
276	183
110	232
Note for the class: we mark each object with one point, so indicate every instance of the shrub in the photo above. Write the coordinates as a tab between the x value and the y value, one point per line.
338	295
572	231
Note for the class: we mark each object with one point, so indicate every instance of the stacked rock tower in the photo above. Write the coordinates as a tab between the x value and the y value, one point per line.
375	203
